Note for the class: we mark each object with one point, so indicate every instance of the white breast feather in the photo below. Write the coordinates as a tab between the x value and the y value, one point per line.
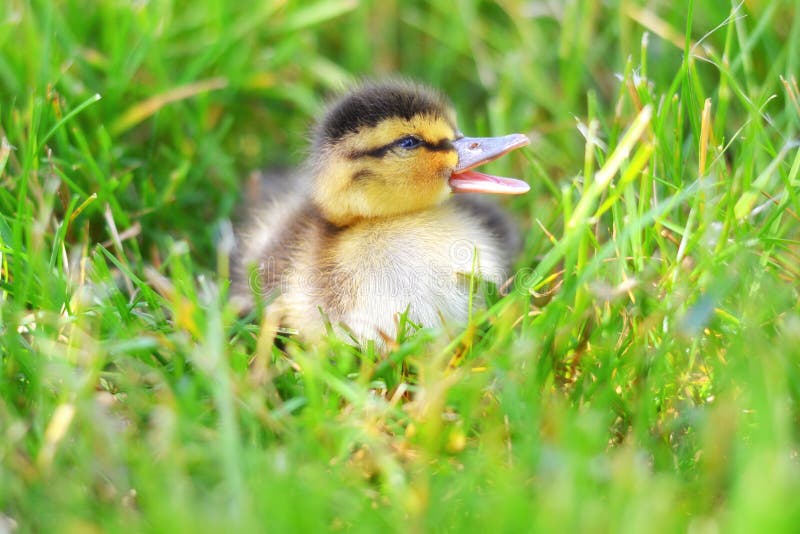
422	264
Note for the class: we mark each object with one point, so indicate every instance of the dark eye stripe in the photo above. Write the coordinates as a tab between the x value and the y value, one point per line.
381	151
378	152
439	146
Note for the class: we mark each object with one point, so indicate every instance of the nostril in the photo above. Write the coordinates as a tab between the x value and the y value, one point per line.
473	146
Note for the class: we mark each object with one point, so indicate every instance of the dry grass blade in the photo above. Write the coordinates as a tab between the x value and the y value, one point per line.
793	92
705	134
147	108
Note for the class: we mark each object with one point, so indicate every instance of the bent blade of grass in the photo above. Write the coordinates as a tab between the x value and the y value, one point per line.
83	105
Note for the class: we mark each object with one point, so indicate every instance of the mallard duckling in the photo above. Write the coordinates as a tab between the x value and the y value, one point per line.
370	227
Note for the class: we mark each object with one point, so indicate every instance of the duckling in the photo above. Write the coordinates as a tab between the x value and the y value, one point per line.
374	223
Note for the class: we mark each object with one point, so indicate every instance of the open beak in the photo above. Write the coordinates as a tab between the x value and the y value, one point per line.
474	151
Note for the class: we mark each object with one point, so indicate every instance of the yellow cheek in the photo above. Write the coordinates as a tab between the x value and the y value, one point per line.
436	166
448	160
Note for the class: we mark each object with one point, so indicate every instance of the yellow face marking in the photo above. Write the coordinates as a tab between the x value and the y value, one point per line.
355	185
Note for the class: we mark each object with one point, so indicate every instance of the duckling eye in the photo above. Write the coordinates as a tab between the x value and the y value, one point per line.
408	142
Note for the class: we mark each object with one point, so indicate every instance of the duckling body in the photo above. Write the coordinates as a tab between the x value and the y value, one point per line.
377	232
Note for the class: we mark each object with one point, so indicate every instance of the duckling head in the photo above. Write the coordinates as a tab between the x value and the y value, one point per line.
391	148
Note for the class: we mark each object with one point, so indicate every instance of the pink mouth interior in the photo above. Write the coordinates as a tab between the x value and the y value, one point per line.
477	182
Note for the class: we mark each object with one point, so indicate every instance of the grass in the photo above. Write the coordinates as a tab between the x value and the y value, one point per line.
643	374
